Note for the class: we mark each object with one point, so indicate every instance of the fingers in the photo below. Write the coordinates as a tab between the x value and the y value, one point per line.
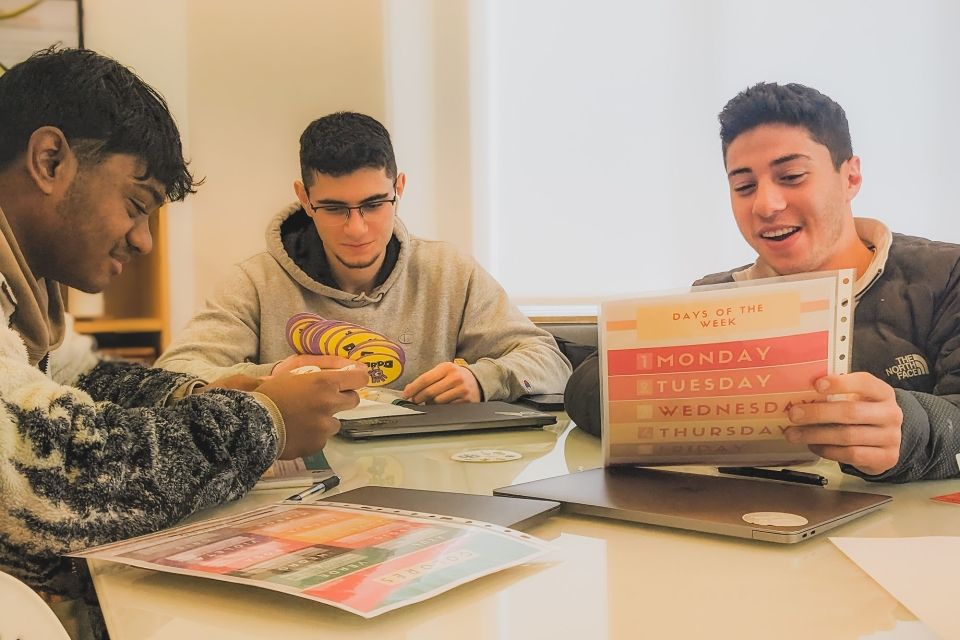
459	385
241	382
844	436
862	430
866	400
331	362
343	382
288	364
331	397
454	391
327	428
866	386
871	460
341	401
303	360
846	412
414	390
446	385
312	439
321	393
356	377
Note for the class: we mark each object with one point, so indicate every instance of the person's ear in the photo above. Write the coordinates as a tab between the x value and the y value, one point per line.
400	183
852	179
50	162
301	192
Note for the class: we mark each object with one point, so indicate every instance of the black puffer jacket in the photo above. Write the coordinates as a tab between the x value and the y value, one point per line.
906	332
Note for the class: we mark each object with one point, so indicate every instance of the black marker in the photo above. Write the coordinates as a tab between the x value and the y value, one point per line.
321	487
786	475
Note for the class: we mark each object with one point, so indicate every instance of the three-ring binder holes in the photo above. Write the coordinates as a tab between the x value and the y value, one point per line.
844	303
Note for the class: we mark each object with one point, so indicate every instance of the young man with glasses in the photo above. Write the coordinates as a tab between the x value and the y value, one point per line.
342	253
792	176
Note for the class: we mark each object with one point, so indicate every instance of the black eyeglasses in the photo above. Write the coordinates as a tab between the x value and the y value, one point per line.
332	215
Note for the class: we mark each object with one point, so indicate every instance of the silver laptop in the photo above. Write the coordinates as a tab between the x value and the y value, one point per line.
439	418
766	510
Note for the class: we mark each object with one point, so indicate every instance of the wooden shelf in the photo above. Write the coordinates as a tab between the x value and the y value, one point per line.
563	319
119	325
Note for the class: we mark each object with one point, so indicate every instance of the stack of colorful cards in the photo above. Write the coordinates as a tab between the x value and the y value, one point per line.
308	333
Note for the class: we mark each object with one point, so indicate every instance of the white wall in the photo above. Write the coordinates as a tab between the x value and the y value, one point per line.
259	73
571	146
428	99
114	28
243	80
604	173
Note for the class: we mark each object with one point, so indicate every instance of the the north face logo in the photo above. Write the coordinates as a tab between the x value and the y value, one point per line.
909	367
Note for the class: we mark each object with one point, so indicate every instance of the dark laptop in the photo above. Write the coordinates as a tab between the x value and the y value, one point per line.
766	510
506	512
438	418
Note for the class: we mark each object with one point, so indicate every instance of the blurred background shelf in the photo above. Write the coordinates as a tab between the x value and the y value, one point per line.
119	325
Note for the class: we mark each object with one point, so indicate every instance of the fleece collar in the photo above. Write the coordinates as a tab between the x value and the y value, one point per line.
872	232
293	242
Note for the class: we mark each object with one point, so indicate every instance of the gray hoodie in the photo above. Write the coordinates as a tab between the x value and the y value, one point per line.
437	304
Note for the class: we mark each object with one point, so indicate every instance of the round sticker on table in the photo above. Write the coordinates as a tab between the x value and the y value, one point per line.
775	519
486	455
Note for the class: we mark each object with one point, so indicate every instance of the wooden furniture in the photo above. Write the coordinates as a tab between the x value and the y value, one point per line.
136	319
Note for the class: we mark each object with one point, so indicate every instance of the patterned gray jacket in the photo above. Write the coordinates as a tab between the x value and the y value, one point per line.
110	456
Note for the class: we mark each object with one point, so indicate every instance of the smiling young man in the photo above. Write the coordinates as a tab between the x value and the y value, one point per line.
87	153
792	177
341	252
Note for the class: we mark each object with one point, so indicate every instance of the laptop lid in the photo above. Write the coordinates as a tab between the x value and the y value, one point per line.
439	418
515	513
765	510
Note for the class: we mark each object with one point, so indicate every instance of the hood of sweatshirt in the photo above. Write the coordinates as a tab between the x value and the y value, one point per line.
293	241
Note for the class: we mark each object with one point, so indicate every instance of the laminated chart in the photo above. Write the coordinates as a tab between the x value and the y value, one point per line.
365	560
707	376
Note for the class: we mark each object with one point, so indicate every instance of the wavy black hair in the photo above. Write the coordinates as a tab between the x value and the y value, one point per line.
791	104
344	142
102	108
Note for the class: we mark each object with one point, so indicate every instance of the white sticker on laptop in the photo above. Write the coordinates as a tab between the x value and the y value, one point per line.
775	519
485	455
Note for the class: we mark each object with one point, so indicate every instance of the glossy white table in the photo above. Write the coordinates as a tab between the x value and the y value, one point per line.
609	579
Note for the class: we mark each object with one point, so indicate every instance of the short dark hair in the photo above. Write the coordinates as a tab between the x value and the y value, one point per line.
102	108
791	104
344	142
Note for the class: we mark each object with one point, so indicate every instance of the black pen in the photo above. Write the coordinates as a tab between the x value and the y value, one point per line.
786	475
320	487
